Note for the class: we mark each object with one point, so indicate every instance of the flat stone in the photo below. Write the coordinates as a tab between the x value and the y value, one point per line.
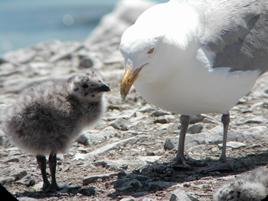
256	120
120	164
128	199
159	113
27	181
108	147
11	160
6	179
28	199
197	128
196	118
150	159
164	120
179	195
18	173
234	145
120	124
93	178
147	109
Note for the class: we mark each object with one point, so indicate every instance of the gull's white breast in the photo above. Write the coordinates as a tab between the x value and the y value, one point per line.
194	88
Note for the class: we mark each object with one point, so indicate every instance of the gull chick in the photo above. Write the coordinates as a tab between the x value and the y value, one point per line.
46	118
192	57
251	186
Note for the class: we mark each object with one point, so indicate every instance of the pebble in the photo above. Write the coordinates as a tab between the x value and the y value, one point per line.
128	199
27	199
120	124
255	120
197	128
28	180
159	113
234	145
83	139
150	159
6	179
93	178
168	145
164	120
179	195
108	147
11	160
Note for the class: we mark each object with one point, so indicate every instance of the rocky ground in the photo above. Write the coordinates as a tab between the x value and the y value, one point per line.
114	160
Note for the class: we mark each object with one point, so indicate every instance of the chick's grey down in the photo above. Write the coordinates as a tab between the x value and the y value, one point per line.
196	56
45	119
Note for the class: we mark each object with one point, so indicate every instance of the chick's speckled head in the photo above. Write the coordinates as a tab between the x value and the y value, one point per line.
87	85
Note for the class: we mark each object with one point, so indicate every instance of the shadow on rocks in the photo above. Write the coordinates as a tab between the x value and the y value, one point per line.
152	178
64	192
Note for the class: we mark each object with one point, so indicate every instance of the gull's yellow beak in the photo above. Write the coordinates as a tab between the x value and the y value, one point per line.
127	81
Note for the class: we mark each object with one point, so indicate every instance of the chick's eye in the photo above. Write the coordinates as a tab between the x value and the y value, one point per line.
151	50
85	86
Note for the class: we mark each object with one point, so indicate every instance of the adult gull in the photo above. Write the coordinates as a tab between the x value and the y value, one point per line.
192	57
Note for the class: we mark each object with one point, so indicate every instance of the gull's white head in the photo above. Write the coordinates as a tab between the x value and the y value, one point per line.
153	44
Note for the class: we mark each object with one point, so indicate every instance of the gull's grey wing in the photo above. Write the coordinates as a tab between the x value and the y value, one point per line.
237	31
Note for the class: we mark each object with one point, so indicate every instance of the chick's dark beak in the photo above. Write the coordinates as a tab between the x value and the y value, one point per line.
103	88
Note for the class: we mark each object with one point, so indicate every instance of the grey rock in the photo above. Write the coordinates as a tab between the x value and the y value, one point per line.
179	195
18	173
108	147
128	199
27	181
196	118
86	63
83	139
265	105
255	120
168	145
159	113
120	164
148	199
162	120
234	145
11	160
27	199
150	159
6	179
197	128
120	124
147	109
93	178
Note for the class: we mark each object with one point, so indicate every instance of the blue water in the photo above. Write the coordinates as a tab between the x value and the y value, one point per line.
27	22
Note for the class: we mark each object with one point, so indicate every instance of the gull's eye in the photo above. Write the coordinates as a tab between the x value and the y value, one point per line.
151	50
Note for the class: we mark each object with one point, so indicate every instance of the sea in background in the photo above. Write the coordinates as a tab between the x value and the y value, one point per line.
26	22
